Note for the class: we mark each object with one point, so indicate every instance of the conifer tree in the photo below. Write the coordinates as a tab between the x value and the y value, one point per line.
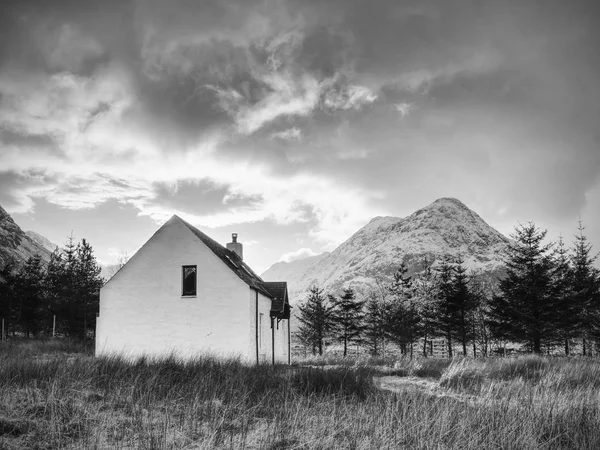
7	296
568	312
67	286
462	304
305	338
89	282
585	286
315	319
445	316
525	309
53	280
425	293
29	296
482	291
404	320
347	317
375	323
73	281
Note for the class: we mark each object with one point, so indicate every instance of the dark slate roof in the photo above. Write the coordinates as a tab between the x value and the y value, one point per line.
278	290
231	260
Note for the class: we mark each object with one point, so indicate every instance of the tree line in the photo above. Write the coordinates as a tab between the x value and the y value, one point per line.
547	299
63	295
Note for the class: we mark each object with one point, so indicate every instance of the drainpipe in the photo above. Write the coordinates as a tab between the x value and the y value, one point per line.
289	341
256	325
273	339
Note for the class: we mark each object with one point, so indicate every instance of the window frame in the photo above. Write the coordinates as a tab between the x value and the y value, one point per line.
183	268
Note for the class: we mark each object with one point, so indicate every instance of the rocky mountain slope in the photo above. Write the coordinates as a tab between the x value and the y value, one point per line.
16	245
446	226
41	240
292	271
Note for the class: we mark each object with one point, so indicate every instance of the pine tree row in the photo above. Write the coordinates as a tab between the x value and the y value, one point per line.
549	298
62	296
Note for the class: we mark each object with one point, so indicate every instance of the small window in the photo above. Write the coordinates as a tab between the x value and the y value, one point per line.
189	281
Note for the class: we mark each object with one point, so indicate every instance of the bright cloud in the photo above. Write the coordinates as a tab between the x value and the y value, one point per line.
403	109
291	134
289	96
351	97
62	104
80	184
291	110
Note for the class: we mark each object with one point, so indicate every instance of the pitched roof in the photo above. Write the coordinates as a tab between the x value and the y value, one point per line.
278	290
231	260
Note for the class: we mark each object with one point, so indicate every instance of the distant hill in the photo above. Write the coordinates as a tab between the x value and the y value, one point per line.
292	271
17	246
446	226
41	240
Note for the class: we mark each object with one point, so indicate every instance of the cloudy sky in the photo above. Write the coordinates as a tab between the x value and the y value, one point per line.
294	122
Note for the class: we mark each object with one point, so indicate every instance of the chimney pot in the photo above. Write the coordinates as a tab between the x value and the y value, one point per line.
236	246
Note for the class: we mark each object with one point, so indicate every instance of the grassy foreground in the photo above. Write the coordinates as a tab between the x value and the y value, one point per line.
56	395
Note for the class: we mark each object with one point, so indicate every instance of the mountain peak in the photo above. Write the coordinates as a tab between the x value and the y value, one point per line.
454	223
446	226
449	201
449	207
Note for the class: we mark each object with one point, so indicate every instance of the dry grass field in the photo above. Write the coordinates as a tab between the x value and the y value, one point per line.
56	395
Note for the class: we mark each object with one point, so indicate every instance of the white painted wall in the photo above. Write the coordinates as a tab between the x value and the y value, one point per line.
281	336
142	311
281	341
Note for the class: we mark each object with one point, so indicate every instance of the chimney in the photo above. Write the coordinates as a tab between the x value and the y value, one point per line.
235	246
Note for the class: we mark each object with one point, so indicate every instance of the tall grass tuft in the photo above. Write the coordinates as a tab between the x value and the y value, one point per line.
343	381
64	400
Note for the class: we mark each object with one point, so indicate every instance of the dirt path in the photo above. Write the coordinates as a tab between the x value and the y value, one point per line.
427	386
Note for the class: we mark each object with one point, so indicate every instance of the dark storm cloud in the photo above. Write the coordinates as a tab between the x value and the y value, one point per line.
84	38
14	138
544	100
199	197
518	71
40	35
192	67
16	187
324	51
339	108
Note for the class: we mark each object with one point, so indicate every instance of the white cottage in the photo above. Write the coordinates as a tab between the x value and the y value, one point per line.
184	293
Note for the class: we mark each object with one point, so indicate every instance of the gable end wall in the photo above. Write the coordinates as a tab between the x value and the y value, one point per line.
142	311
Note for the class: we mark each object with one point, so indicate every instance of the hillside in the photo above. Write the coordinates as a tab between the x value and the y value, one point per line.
292	271
446	226
41	240
16	245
